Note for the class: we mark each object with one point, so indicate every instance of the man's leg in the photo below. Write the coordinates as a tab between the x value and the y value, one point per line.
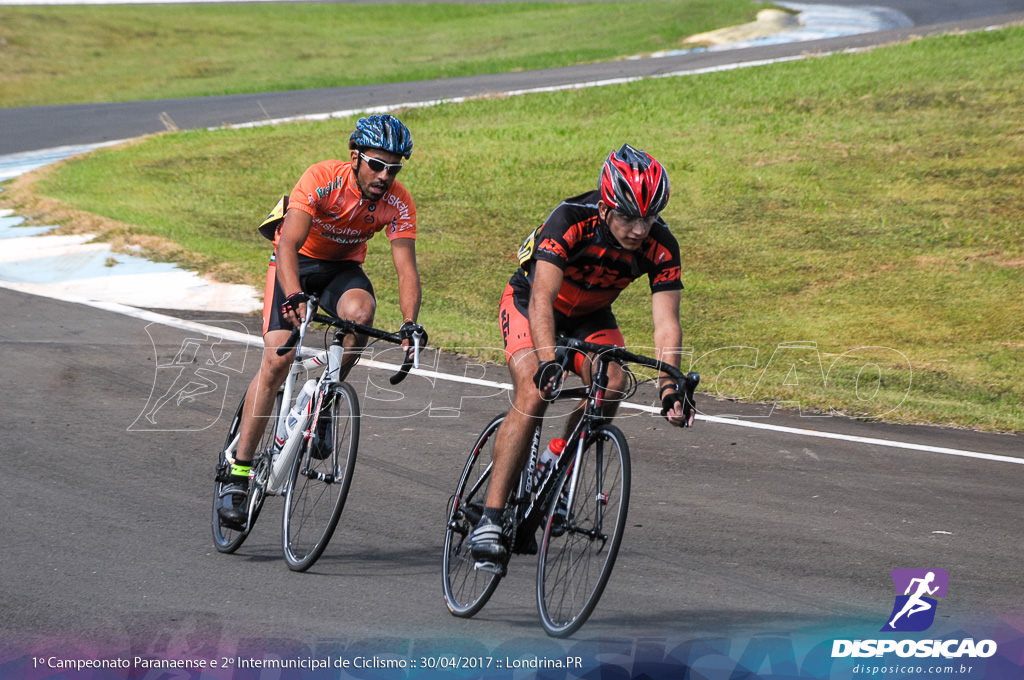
356	305
511	449
608	333
348	294
614	391
259	398
259	401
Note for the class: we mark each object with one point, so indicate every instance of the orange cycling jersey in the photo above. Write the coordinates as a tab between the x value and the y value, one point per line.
343	221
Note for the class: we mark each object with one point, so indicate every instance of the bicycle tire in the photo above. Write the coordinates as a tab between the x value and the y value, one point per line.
577	554
320	479
467	589
226	539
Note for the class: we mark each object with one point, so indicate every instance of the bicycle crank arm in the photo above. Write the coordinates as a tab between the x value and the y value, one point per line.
470	513
253	502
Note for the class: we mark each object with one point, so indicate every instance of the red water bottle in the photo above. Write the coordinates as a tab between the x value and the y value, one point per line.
547	461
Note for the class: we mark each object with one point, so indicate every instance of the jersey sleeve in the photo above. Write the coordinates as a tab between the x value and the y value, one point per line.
403	224
552	241
308	190
664	255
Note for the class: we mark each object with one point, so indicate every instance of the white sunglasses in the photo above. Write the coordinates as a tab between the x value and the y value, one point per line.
377	165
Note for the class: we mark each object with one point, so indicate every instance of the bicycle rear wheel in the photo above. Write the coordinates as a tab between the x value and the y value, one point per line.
582	534
228	539
467	589
320	478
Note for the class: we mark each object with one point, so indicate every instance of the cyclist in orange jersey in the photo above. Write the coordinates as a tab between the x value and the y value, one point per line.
573	267
319	249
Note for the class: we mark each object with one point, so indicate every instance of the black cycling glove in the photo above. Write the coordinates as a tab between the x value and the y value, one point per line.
669	401
549	372
292	302
410	328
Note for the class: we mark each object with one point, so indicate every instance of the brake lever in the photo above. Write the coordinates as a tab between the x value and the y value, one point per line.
689	404
412	360
297	333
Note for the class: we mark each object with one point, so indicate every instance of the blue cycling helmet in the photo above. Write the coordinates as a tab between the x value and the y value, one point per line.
382	132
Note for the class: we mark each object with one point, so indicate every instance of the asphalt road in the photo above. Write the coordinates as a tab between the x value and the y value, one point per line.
732	531
735	534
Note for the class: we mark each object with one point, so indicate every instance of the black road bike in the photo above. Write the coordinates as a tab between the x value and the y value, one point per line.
580	505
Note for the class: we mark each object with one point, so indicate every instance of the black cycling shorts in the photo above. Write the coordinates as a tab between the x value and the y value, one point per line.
326	279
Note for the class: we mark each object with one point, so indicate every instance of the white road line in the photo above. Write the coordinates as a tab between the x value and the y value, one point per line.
422	104
866	440
256	341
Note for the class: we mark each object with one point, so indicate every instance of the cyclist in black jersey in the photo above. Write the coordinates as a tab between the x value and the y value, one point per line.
573	267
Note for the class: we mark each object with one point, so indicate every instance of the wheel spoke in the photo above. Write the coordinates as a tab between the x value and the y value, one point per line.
577	559
320	479
225	538
466	588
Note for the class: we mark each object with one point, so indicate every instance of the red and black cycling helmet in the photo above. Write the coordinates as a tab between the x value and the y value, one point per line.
633	183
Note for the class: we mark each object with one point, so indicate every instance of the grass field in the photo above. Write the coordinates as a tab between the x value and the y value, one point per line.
69	54
851	225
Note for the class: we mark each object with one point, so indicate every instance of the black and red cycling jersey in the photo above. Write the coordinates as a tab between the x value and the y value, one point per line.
596	268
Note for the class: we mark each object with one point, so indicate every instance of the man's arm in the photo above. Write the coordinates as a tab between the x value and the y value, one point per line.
294	231
668	335
668	338
410	292
547	281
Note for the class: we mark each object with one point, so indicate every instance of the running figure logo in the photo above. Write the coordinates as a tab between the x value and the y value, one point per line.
916	593
190	386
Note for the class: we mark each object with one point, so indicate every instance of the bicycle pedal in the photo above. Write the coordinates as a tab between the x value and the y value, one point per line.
491	567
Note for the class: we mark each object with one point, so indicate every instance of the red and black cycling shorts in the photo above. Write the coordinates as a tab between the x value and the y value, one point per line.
326	279
599	326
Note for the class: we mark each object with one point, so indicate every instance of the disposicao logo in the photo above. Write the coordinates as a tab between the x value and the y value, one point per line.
913	611
916	593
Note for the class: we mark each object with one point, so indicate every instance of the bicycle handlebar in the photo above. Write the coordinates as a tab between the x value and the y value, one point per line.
290	343
686	383
346	326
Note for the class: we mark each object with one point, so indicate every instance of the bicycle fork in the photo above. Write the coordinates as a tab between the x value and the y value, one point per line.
600	498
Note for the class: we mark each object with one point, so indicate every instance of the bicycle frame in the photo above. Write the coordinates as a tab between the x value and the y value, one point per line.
595	394
537	500
286	447
581	503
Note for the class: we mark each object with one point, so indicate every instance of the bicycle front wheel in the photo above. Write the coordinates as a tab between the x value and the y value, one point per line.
225	538
583	531
320	478
466	588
